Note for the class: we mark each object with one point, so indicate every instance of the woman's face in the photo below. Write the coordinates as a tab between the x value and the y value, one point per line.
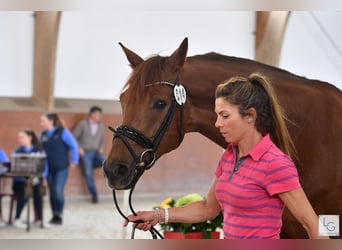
45	122
231	124
24	139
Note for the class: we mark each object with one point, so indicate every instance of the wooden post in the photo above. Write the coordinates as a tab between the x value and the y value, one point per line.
45	45
270	30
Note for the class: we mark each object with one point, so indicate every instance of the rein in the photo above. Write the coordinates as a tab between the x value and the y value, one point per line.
125	132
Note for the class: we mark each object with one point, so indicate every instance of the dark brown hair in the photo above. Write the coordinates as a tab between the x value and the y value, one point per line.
257	92
35	141
57	122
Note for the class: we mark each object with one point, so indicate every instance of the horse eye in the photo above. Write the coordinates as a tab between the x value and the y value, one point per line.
159	104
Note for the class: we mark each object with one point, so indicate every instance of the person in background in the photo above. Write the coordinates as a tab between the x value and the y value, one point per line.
29	143
3	158
255	177
57	142
90	135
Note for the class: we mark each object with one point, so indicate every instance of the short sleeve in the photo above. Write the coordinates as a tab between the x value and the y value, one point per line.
282	176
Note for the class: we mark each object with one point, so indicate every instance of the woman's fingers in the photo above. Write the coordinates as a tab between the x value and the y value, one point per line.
144	226
142	221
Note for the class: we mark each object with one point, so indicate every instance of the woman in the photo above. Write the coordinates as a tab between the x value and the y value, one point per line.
3	158
255	177
29	143
57	142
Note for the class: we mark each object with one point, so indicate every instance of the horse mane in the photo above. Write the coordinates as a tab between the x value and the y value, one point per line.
213	56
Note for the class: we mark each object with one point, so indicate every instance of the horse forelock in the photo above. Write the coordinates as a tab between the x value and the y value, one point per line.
144	74
148	72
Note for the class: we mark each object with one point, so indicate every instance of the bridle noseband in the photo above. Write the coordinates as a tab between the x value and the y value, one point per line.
125	132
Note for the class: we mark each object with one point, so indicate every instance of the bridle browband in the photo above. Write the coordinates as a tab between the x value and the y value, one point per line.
125	132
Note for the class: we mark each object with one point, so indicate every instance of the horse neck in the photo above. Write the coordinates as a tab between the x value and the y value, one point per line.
200	75
202	121
200	78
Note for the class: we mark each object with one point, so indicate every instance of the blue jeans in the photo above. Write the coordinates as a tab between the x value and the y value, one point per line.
90	160
56	182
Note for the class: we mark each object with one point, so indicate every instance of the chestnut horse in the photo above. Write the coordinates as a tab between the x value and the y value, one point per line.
155	120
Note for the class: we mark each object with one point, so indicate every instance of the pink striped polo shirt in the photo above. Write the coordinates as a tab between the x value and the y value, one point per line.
248	196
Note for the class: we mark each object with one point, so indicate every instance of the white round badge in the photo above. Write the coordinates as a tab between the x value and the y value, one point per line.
180	94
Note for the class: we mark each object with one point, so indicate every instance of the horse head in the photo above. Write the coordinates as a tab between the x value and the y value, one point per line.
152	102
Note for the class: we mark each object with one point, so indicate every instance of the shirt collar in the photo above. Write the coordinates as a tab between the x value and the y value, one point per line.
263	145
256	153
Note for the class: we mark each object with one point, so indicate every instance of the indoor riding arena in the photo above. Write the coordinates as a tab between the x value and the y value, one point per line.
65	62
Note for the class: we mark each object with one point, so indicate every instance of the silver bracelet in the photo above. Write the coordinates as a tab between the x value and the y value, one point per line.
166	210
158	213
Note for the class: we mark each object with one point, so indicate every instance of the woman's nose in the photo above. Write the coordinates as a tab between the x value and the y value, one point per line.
217	123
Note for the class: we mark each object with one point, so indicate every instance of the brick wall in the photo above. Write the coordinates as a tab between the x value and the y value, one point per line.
189	168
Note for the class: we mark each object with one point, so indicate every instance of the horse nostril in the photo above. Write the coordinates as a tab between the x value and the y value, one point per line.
120	170
118	175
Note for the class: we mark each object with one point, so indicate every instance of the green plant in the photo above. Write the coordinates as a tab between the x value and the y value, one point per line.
206	227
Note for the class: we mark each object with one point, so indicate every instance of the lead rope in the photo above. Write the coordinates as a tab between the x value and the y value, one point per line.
154	232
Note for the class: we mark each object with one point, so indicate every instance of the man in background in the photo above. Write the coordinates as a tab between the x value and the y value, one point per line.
90	135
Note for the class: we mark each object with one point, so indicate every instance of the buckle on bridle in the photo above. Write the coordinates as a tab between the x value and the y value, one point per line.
142	163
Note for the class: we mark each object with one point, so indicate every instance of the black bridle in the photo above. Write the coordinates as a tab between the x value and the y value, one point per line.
125	132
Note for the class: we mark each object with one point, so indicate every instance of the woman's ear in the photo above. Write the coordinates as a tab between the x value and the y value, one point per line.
251	115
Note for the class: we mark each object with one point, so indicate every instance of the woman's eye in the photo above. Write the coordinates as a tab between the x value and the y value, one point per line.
159	104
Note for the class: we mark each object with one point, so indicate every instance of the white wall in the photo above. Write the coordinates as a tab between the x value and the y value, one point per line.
16	53
313	46
91	64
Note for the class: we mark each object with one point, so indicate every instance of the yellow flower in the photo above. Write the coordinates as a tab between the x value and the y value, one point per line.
167	200
164	205
167	203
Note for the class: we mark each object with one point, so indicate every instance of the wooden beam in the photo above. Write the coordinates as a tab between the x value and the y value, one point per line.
45	45
270	30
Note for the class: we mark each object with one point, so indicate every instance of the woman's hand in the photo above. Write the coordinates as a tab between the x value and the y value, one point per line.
144	220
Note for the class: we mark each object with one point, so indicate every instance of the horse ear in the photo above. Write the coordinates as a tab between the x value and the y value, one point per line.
132	57
178	57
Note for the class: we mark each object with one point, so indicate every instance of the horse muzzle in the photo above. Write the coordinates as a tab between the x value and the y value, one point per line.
119	175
